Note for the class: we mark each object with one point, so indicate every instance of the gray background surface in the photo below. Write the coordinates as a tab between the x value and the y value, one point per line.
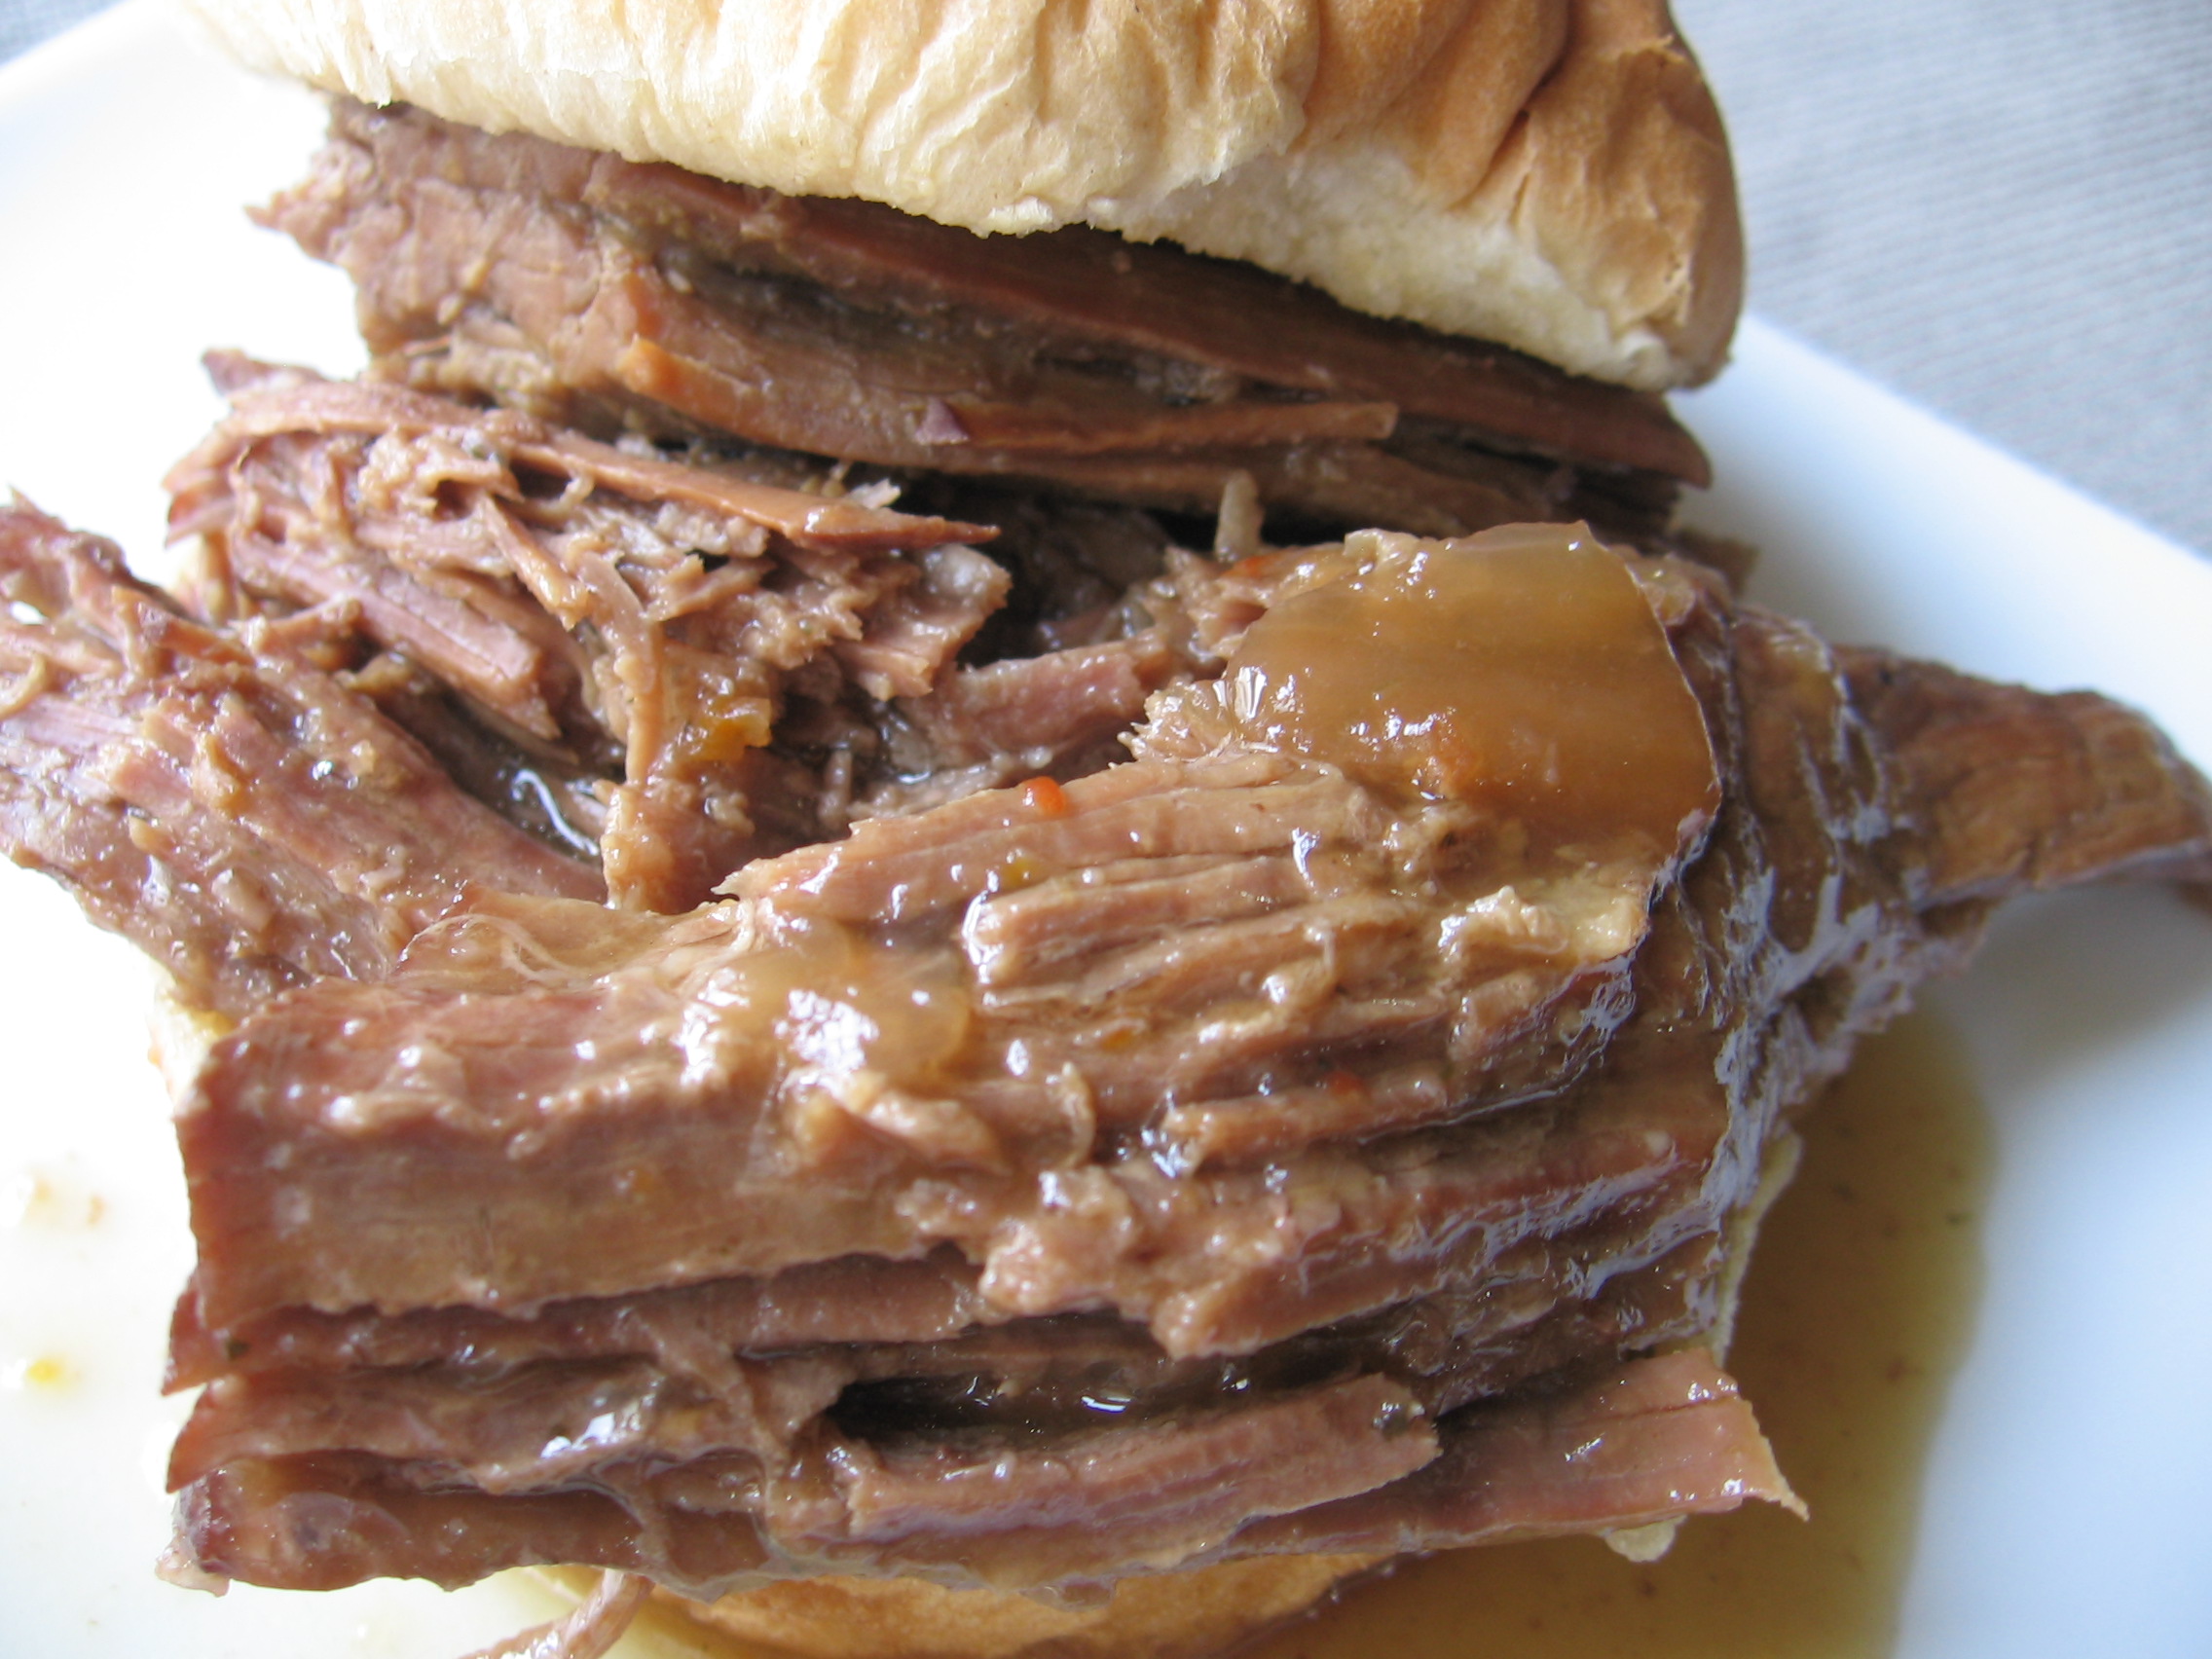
2000	209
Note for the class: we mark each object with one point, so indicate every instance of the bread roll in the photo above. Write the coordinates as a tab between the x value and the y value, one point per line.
1548	174
1176	1615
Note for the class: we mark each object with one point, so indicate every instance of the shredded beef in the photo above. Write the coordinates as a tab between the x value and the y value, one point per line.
217	797
594	607
1103	1135
1382	1171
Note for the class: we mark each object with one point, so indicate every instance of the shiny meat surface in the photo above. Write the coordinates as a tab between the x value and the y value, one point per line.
1272	1195
1652	1439
1286	1137
1155	982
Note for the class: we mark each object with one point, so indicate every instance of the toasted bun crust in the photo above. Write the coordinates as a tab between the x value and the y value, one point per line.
1549	174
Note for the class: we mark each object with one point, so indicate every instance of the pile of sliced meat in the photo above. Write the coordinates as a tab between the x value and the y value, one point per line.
613	294
751	1037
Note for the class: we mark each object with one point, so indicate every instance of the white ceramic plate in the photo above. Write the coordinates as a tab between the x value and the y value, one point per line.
2063	1501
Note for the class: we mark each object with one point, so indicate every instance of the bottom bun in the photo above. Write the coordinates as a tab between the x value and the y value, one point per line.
1169	1615
1172	1615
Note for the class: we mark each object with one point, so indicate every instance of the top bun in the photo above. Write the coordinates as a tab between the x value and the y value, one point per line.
1548	174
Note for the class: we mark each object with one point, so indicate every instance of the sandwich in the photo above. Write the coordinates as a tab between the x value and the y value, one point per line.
872	884
1425	270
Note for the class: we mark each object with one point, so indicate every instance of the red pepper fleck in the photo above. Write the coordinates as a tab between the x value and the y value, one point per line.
1046	799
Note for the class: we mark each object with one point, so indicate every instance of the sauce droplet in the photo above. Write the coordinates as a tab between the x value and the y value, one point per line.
1520	670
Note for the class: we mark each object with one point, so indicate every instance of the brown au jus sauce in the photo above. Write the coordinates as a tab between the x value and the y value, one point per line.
1854	1315
1466	671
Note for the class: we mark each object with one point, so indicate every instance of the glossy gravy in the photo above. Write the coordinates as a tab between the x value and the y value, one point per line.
1521	670
1855	1316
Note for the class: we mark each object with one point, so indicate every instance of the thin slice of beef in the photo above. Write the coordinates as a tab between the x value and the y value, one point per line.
689	1331
574	283
1658	1438
1155	1494
530	1428
1086	286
